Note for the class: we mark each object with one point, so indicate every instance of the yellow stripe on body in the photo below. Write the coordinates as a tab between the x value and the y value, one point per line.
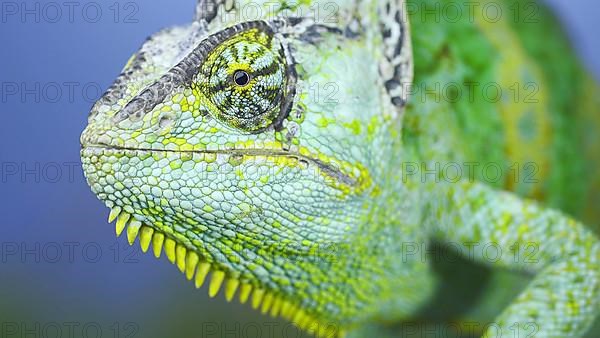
524	108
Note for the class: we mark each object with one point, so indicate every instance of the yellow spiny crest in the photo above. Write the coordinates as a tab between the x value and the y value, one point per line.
245	291
215	283
121	222
195	267
170	249
157	244
231	286
146	237
201	273
190	264
180	253
132	230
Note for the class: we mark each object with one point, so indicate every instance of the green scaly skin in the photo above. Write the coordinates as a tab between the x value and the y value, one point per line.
215	147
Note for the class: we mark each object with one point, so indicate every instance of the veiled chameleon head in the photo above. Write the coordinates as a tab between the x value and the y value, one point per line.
253	150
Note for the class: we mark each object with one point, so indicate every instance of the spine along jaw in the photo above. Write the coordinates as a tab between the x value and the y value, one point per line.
197	268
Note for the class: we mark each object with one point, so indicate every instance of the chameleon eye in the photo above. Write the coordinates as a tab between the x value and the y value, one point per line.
241	78
244	80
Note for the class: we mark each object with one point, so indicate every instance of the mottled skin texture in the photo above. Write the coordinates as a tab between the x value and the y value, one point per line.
277	156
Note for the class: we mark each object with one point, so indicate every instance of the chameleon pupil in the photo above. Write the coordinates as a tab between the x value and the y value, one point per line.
241	78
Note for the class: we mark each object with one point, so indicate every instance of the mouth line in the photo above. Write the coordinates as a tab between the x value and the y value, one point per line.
326	168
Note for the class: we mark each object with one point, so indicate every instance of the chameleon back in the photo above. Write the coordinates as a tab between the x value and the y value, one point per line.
510	94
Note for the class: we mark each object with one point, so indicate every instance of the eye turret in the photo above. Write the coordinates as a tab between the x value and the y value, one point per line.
244	80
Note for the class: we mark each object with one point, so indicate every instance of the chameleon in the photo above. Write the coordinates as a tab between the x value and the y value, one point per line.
311	158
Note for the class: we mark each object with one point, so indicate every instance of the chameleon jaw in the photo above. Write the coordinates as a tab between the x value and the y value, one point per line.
196	267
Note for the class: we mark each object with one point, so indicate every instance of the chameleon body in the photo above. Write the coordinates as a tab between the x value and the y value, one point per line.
288	159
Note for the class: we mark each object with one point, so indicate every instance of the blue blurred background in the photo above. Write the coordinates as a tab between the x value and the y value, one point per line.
61	267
